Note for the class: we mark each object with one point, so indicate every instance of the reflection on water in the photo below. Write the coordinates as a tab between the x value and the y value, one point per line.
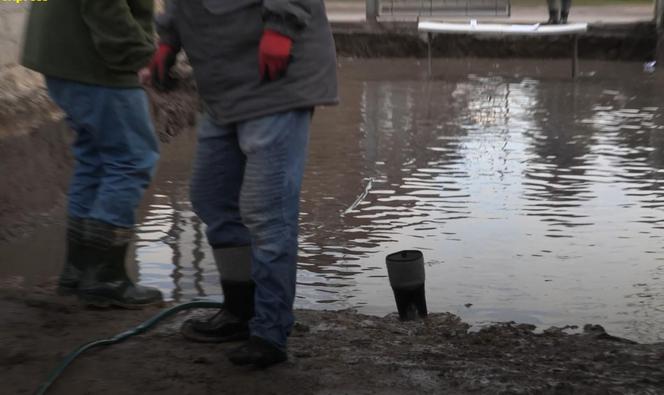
533	200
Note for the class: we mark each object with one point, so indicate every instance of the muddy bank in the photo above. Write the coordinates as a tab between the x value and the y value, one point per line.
632	42
34	170
34	147
330	353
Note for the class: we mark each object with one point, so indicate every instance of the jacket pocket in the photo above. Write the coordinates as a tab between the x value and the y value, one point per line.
222	7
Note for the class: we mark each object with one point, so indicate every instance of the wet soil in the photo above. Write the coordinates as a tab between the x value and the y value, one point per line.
330	353
34	170
176	110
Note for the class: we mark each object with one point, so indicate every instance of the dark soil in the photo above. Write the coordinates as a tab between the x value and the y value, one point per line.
175	111
330	353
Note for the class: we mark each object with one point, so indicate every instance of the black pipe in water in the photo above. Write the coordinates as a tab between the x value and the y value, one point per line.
406	272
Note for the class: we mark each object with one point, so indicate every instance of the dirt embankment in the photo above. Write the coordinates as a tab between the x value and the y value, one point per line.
330	353
34	150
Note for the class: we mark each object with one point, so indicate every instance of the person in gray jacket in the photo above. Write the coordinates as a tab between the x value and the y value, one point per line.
261	67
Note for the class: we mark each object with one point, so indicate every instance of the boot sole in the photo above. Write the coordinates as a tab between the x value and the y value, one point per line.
66	291
257	363
191	334
106	303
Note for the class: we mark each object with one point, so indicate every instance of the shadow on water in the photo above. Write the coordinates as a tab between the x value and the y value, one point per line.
535	199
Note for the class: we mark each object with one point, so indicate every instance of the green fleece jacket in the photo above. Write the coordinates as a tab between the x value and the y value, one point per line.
100	42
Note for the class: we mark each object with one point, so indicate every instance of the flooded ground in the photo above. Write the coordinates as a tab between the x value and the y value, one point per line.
536	199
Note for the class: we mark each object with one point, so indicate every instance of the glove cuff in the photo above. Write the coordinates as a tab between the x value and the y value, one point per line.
165	48
273	34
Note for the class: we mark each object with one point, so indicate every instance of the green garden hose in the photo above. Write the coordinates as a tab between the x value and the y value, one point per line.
144	327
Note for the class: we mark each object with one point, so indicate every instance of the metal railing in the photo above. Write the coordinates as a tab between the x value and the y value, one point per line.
443	8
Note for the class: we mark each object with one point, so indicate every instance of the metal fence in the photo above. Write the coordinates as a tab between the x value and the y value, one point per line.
444	7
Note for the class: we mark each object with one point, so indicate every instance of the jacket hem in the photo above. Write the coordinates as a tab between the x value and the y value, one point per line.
126	82
270	111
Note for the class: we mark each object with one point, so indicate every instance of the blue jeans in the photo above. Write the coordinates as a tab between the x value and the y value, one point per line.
246	188
116	149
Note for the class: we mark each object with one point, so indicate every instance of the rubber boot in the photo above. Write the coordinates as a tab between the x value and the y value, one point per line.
257	352
231	323
554	18
563	17
73	268
564	11
105	282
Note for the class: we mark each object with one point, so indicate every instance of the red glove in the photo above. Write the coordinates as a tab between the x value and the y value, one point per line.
274	54
160	67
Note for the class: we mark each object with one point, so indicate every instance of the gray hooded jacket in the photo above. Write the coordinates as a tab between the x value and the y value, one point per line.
221	39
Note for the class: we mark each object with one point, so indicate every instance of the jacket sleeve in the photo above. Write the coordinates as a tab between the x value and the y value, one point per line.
287	17
117	36
166	26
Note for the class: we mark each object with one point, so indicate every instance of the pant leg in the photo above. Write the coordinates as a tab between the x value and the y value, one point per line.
275	147
216	183
88	167
553	4
565	6
128	149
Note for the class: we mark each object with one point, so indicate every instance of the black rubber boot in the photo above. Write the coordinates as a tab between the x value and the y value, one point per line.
105	282
257	352
564	11
563	17
73	268
230	323
554	18
411	303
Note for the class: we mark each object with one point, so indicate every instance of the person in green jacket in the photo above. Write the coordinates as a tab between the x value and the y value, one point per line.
90	53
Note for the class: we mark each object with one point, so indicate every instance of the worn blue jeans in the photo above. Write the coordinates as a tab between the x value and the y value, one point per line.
116	149
246	188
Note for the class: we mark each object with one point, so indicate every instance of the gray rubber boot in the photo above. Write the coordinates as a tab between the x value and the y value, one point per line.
74	264
230	323
105	282
564	12
563	17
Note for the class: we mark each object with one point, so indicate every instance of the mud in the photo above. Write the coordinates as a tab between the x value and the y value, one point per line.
330	353
23	100
33	173
175	111
34	147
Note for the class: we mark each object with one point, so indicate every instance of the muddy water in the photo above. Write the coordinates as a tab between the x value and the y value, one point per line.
535	199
